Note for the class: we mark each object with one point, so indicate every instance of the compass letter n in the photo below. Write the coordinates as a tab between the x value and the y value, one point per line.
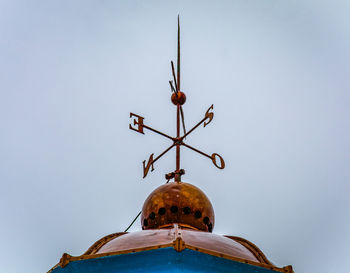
146	167
138	122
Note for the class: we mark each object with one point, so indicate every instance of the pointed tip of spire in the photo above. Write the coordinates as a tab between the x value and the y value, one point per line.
178	52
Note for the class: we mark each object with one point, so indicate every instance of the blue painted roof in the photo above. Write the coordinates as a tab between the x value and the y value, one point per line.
159	260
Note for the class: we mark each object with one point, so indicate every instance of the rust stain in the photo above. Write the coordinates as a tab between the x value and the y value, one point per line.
180	203
179	237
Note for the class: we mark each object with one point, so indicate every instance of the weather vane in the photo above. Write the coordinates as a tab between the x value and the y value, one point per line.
178	98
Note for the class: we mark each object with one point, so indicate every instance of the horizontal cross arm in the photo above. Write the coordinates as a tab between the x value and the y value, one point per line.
158	132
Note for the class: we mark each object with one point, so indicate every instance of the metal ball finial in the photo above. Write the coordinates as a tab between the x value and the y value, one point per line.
178	98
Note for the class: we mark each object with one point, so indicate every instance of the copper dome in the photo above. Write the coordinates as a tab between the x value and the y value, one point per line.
178	202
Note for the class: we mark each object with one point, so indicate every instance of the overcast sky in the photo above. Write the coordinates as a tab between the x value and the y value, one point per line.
276	71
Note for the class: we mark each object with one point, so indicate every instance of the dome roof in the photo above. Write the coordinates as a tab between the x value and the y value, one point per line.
178	202
193	239
180	238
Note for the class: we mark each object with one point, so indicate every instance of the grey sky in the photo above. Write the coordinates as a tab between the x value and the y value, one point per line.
277	73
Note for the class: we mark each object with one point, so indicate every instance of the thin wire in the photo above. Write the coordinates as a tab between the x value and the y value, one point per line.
133	222
137	216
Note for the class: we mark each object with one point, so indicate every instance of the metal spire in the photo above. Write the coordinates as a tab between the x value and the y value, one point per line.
178	98
178	52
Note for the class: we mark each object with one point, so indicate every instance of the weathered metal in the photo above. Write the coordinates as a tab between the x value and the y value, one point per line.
175	81
226	245
178	98
184	237
180	237
181	203
178	53
139	126
175	215
183	119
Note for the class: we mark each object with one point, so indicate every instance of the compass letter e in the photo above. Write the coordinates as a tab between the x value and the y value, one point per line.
146	167
138	122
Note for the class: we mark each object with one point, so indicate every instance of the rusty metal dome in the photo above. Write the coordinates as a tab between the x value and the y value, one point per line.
178	202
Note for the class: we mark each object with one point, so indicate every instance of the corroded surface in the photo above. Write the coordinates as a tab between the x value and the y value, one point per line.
178	98
192	239
178	202
163	260
217	243
139	239
181	238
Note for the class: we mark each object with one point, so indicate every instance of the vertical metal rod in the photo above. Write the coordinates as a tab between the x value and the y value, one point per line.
177	174
178	53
